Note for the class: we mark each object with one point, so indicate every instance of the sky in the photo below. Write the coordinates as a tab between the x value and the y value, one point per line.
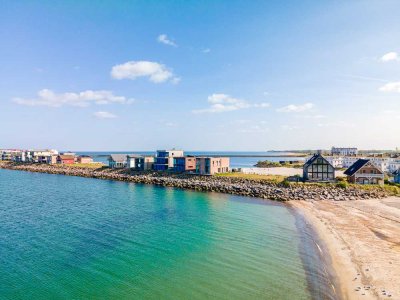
199	75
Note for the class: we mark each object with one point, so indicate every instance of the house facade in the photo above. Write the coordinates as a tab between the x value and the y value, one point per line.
212	165
364	171
165	159
185	164
139	162
117	161
84	159
318	168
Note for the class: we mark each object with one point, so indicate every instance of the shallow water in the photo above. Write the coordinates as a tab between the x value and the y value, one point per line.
72	237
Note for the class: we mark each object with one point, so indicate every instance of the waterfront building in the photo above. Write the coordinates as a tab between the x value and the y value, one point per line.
344	151
318	168
84	159
394	165
65	159
165	159
140	162
117	161
364	171
396	176
335	161
212	165
185	164
41	156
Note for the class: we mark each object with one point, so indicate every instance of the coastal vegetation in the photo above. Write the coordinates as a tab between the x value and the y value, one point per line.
270	178
274	164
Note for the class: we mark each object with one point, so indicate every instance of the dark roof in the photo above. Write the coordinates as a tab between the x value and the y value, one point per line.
313	159
118	158
397	172
356	166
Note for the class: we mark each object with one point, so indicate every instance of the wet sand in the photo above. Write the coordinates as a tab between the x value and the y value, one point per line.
363	241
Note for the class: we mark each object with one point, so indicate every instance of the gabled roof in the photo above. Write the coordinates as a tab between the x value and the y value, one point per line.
357	166
313	159
118	157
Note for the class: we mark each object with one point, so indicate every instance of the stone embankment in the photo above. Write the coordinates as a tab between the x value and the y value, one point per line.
238	186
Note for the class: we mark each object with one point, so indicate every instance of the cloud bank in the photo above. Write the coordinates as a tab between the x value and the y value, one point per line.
292	108
223	103
47	97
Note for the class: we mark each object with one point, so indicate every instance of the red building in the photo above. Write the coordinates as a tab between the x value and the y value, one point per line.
65	159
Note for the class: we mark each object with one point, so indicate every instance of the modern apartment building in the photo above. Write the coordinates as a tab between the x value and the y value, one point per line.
212	165
165	159
344	151
139	162
185	164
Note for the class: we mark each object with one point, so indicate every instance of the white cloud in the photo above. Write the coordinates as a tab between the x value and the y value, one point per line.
163	38
104	115
337	124
313	116
133	69
289	127
206	50
223	103
47	97
296	108
391	56
391	87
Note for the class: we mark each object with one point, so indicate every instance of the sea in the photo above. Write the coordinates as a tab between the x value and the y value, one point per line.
65	237
239	159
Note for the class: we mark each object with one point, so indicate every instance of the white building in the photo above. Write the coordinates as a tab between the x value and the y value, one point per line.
344	151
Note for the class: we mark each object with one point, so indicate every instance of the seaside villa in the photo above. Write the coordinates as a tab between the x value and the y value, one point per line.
364	171
117	161
317	168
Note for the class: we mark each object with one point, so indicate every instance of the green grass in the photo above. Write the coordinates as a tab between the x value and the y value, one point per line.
272	178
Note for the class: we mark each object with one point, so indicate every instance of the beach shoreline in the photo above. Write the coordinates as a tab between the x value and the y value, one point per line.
362	241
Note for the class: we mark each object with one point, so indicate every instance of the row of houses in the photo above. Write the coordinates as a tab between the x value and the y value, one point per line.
43	156
387	164
362	171
171	160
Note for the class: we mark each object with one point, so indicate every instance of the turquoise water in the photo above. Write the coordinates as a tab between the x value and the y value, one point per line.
68	237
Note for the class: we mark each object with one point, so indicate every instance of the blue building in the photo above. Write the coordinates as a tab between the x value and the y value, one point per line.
165	159
397	176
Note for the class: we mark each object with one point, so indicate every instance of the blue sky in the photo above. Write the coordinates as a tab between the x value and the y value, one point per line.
199	75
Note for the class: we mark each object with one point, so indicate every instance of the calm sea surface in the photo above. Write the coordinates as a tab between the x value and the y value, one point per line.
247	161
67	237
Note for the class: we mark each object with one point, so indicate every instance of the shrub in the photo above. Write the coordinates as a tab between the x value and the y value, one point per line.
342	184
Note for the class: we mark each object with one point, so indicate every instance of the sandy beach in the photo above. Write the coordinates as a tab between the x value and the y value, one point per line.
363	240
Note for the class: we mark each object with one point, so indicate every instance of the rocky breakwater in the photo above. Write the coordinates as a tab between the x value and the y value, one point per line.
230	185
